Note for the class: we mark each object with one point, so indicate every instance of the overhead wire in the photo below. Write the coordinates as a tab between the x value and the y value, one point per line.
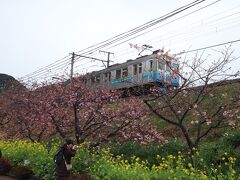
201	21
62	60
164	24
129	33
207	47
180	34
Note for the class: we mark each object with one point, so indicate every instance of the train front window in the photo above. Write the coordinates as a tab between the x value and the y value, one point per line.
118	74
125	72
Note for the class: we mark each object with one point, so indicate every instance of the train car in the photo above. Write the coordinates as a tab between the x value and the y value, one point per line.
157	68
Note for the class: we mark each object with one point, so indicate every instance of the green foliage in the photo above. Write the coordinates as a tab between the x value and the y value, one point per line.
232	138
82	176
82	160
33	155
216	153
102	164
147	152
172	146
109	167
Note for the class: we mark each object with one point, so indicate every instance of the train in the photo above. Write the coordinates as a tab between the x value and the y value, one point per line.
158	68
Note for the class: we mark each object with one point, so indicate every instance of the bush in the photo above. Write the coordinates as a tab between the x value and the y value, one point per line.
82	176
212	152
172	147
5	166
29	154
147	152
22	172
232	139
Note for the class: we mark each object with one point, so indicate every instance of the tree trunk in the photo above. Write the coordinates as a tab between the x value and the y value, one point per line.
76	125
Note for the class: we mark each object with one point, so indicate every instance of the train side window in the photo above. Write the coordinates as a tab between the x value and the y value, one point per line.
118	74
168	66
109	76
125	72
175	67
151	65
105	77
93	79
135	69
98	79
161	65
140	68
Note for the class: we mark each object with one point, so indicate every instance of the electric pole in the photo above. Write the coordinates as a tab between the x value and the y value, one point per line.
74	55
108	57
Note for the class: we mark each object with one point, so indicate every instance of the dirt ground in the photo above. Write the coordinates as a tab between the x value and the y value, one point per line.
6	178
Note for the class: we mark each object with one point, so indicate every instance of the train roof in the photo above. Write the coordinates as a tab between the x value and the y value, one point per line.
129	62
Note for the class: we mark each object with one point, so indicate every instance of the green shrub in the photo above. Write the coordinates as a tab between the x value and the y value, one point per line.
104	165
212	152
232	139
172	147
33	155
147	152
82	160
82	176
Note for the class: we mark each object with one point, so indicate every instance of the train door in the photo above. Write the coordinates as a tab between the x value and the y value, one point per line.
137	73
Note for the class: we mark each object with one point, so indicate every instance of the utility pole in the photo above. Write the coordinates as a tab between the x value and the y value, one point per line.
72	63
96	59
74	55
108	57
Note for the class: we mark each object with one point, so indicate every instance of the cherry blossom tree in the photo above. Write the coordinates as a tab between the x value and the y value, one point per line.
97	114
24	115
197	106
74	109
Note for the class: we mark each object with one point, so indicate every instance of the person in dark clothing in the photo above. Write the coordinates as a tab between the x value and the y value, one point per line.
67	151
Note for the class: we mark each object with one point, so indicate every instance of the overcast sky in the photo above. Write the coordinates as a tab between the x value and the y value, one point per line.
36	33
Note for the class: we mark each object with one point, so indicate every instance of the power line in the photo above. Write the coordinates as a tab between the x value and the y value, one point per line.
45	67
164	24
141	26
178	34
126	34
48	71
207	47
156	21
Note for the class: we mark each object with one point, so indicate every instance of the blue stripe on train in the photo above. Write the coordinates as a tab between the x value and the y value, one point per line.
155	76
119	81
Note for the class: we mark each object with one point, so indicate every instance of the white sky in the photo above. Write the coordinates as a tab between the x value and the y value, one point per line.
36	33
